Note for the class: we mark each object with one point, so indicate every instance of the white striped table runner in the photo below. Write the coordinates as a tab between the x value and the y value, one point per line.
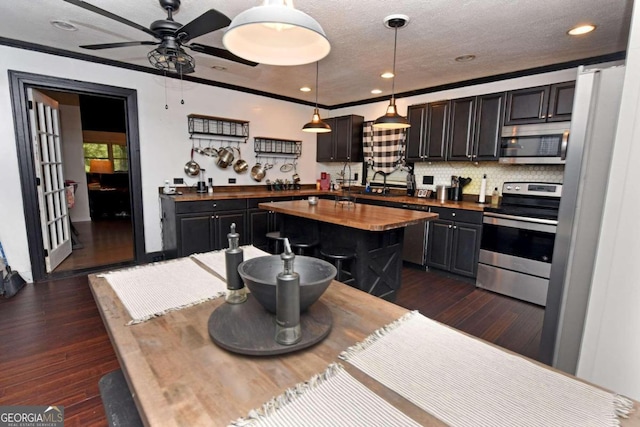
465	382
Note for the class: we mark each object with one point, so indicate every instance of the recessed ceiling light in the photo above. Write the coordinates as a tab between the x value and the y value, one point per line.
305	89
376	91
387	75
581	29
465	58
219	68
63	25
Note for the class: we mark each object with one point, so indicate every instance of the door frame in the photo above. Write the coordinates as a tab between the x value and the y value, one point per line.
18	84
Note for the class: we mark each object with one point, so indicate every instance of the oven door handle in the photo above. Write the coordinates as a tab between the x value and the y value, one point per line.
535	224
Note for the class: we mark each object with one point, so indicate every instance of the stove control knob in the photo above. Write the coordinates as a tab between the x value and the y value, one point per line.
508	187
517	188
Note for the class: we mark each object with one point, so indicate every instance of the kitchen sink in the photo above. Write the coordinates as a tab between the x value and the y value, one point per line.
382	194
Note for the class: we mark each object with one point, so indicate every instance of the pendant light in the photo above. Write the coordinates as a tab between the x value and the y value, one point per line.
316	125
391	119
276	34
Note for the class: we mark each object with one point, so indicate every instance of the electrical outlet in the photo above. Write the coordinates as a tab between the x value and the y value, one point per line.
355	176
427	179
232	180
178	181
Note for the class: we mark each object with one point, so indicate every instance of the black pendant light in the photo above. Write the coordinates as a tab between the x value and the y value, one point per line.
391	119
316	125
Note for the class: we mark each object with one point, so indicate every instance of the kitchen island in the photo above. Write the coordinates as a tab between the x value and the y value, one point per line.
375	234
179	377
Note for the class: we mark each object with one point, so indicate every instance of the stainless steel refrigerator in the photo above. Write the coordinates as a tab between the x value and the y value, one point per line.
593	127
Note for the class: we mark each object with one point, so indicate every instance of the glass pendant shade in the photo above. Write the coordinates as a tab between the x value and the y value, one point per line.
391	119
316	125
276	34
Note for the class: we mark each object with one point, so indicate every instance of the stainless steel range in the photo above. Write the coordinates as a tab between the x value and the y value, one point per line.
517	241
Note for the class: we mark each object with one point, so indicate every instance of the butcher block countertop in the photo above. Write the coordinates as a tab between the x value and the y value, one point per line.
363	217
260	192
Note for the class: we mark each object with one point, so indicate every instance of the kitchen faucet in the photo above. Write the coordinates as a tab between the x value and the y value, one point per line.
384	177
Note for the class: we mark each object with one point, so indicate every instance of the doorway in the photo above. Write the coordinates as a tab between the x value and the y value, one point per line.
20	83
96	171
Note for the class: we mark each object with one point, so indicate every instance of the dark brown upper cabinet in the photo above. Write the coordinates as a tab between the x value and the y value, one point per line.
427	136
550	103
343	143
475	126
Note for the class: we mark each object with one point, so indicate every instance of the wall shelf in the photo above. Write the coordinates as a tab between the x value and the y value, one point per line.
217	127
264	146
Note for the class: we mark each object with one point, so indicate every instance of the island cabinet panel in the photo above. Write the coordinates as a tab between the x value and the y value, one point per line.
540	104
343	143
190	227
453	243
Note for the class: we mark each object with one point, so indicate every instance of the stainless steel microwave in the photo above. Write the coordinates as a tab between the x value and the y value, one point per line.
544	143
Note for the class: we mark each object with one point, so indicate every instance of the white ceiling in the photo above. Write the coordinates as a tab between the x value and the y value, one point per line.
504	35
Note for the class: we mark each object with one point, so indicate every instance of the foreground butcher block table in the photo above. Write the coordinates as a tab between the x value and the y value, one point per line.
374	233
179	377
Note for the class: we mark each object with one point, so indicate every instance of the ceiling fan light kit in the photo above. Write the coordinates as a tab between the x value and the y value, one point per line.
172	37
276	34
172	60
391	119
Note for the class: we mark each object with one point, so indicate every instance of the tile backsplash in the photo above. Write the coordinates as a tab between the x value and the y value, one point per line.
497	174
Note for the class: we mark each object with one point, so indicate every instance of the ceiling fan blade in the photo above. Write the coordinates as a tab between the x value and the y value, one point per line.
122	44
110	15
220	53
209	21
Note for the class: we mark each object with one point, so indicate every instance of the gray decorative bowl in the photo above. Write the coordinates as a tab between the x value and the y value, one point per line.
259	275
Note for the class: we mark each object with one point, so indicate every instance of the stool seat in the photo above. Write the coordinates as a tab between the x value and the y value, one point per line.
277	238
300	245
339	255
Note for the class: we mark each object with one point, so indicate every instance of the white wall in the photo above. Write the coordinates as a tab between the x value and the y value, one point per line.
164	140
73	159
610	352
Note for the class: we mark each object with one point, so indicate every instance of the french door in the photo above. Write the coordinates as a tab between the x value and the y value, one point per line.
44	123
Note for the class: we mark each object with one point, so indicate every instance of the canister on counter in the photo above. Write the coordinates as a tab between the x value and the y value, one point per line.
441	193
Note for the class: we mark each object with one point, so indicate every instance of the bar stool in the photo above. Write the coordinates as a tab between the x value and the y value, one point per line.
275	239
338	255
303	246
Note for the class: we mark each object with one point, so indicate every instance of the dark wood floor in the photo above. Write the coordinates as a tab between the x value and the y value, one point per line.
102	242
54	347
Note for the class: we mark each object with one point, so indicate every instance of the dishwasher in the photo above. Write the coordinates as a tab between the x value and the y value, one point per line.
415	239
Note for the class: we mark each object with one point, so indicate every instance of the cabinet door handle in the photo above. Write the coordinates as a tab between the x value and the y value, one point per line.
450	226
453	214
215	205
455	227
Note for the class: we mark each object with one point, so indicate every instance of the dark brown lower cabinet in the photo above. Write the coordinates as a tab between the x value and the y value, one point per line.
200	226
454	245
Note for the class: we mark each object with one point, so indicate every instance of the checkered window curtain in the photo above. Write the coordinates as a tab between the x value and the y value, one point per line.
383	149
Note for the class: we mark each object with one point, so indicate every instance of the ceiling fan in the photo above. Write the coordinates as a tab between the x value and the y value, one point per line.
172	36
